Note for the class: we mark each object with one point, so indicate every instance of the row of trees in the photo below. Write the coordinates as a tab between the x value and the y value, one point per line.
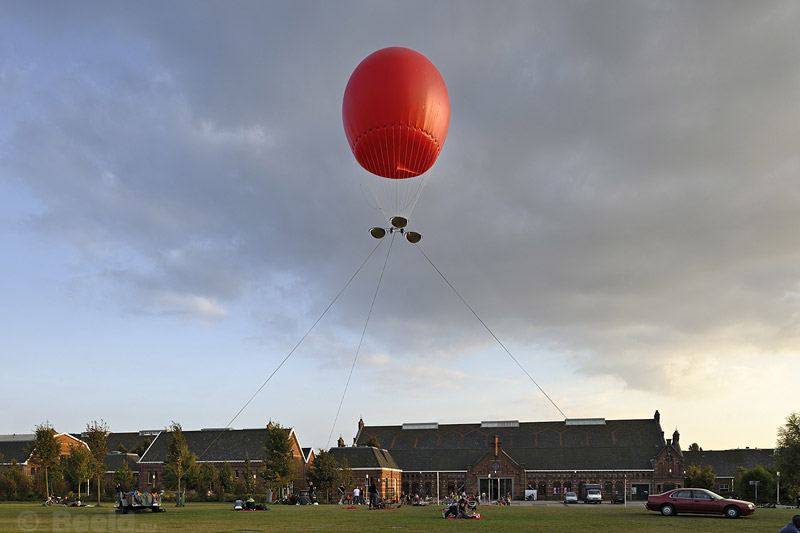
182	472
784	474
278	470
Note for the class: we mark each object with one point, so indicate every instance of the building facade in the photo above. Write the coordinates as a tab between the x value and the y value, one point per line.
532	459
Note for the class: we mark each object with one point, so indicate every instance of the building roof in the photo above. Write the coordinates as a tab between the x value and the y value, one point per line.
230	445
17	437
15	450
725	463
128	439
610	433
365	457
589	444
114	459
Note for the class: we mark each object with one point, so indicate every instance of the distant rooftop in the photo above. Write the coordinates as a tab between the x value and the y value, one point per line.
17	437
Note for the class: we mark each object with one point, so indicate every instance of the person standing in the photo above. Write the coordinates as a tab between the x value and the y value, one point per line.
356	496
373	496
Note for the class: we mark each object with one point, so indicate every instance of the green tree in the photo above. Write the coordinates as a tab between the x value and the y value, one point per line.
373	441
46	451
788	452
96	434
249	482
14	484
700	476
226	479
346	475
324	472
78	466
279	466
124	476
207	477
179	460
694	447
766	484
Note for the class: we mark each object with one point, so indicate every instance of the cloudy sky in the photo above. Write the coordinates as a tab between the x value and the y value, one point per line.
617	200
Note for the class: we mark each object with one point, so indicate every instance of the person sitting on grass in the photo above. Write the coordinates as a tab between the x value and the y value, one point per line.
459	510
238	505
250	503
793	526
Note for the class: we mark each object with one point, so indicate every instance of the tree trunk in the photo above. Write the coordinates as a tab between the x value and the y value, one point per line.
46	483
98	491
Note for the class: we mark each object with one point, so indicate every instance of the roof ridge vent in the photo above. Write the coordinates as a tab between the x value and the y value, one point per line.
585	422
421	425
500	424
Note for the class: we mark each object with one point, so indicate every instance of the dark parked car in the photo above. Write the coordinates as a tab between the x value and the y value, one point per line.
698	501
618	497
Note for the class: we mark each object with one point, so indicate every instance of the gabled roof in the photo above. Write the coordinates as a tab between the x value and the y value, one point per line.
308	454
592	444
365	457
230	445
724	463
19	447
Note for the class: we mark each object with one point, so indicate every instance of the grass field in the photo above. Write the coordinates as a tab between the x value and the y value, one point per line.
199	517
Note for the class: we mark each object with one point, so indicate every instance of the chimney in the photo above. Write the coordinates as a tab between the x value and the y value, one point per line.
340	442
360	423
676	437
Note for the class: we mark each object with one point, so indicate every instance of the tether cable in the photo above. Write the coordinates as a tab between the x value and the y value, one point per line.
360	342
296	346
491	333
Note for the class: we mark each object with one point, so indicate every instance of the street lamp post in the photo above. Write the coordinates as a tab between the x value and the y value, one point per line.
778	493
755	482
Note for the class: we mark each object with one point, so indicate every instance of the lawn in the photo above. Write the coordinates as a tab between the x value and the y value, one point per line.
198	517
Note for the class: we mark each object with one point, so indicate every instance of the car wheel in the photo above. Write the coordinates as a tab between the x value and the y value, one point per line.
732	511
667	510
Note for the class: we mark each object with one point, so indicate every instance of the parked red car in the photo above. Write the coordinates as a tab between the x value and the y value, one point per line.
698	501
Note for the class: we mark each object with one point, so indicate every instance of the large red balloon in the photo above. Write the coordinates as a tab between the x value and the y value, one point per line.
396	112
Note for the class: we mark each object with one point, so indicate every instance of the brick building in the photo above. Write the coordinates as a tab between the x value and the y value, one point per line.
18	449
217	446
629	457
371	465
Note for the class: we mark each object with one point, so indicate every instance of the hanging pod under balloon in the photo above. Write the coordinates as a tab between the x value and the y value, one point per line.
399	222
378	233
413	237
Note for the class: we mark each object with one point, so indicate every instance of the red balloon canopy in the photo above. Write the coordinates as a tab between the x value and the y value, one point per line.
396	112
